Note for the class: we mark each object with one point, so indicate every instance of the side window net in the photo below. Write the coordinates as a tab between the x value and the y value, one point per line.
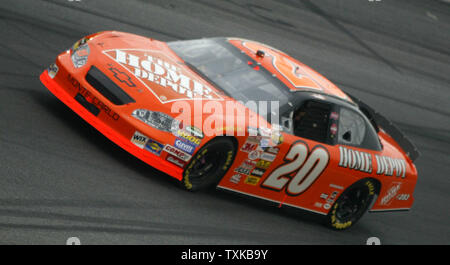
311	121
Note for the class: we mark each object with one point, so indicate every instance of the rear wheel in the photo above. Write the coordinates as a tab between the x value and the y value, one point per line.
209	164
351	205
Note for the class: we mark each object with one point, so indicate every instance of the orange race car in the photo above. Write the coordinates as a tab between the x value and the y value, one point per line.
240	115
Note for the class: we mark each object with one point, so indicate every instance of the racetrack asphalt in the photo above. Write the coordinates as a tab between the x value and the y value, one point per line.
60	178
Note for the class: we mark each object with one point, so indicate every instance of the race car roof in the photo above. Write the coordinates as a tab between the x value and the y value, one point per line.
294	74
249	71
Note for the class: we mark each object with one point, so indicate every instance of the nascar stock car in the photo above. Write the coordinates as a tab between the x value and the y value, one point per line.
311	146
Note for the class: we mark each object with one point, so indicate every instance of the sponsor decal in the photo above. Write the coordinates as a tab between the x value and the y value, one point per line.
162	76
403	197
91	98
265	142
253	155
154	147
329	199
248	164
255	139
177	152
195	131
249	146
246	167
334	115
273	150
263	164
333	128
185	146
391	193
146	143
357	160
363	161
277	138
268	156
174	160
268	137
121	76
188	137
236	178
336	186
318	204
139	139
252	180
242	170
387	166
258	172
52	70
332	197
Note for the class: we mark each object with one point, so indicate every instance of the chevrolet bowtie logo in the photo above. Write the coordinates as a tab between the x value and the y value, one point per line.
122	77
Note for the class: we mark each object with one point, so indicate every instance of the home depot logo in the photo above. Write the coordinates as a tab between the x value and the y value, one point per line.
167	81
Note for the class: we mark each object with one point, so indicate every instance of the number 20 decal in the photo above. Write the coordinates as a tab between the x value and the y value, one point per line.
308	166
290	70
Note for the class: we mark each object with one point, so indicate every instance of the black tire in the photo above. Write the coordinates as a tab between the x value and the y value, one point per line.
209	164
351	205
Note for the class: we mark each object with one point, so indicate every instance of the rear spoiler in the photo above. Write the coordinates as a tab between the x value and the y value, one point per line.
380	121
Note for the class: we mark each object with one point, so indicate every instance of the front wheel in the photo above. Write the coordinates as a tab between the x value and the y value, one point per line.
209	164
351	205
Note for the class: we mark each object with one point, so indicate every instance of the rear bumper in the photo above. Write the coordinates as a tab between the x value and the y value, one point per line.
121	140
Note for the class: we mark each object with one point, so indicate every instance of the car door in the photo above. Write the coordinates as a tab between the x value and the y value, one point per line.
284	174
310	152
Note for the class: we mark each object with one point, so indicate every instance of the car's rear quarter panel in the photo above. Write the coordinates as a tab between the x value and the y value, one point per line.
331	183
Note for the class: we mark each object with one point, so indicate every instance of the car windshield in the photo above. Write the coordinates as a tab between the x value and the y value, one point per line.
231	70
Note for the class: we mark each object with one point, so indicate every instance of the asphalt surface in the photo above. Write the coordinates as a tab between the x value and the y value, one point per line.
60	178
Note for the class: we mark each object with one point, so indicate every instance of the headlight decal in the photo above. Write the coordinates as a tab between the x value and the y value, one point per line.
80	53
157	120
52	70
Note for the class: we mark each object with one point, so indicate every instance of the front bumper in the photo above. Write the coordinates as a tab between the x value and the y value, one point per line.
121	140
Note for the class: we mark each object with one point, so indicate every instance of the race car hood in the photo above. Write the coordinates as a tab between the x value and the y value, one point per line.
148	71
